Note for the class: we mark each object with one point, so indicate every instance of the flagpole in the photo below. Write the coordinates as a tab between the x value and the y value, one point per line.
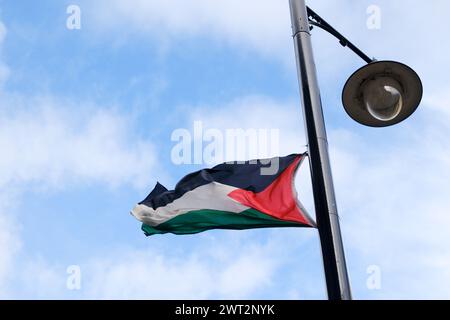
338	286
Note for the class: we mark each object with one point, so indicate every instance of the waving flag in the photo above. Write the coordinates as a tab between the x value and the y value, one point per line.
227	196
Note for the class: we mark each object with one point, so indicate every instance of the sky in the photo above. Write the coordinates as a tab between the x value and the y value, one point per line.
87	116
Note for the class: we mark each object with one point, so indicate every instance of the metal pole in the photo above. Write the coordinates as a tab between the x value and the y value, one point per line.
336	276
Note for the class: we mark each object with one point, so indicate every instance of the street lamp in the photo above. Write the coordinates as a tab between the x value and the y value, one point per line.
380	94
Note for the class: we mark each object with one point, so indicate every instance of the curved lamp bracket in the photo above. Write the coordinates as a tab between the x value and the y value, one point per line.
318	21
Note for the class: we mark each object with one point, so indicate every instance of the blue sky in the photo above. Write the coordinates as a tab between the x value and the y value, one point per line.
86	118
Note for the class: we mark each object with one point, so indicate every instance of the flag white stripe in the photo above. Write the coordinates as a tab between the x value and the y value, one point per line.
212	196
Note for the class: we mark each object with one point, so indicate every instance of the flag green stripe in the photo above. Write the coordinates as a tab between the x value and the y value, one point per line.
201	220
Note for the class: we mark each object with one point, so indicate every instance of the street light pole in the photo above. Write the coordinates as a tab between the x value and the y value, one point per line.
336	276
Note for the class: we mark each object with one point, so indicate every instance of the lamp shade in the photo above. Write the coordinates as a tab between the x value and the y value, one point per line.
382	93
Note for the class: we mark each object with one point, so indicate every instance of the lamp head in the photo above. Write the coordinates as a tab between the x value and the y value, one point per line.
382	93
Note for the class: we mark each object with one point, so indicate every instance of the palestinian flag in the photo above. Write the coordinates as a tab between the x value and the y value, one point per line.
228	196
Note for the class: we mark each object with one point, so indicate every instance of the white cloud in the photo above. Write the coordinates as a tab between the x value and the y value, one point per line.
229	266
199	275
4	70
38	279
262	27
258	27
2	32
51	143
10	243
257	112
47	146
245	23
9	230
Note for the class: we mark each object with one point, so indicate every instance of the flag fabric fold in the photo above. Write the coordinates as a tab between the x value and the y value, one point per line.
228	196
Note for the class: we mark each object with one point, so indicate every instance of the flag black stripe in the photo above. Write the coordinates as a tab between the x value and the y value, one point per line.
245	175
